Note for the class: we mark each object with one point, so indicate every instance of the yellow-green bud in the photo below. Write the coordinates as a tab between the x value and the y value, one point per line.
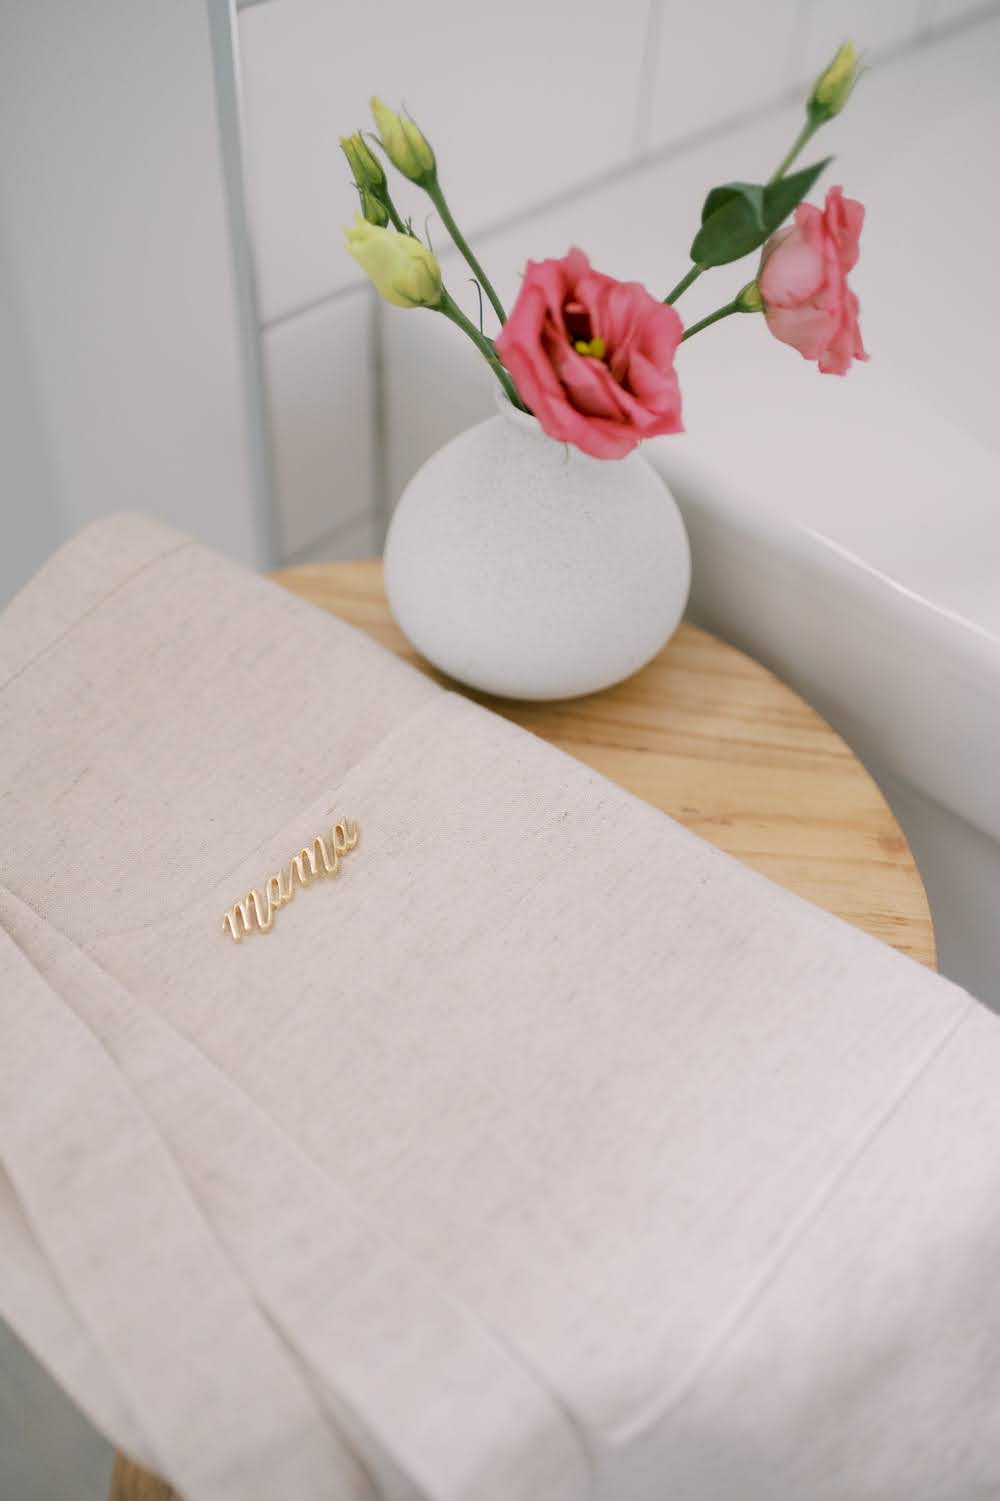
404	144
373	208
832	88
364	164
749	300
401	269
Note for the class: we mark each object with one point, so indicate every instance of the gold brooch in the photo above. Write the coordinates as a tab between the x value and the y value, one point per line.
321	858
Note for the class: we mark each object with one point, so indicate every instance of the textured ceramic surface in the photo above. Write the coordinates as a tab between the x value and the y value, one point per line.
522	567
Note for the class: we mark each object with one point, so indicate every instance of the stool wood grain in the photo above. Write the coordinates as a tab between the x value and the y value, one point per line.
712	738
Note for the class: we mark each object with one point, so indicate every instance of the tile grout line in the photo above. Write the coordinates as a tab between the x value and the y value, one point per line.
378	500
223	29
649	67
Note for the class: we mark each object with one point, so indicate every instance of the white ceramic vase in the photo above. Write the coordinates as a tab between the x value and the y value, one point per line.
525	568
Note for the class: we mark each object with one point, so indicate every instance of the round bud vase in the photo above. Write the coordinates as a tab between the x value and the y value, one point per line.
525	568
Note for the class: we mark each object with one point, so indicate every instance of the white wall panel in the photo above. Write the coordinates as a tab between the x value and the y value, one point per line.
358	539
318	372
521	101
941	12
436	384
717	59
113	196
30	523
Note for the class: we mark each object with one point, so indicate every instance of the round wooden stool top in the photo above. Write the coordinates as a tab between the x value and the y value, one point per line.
712	738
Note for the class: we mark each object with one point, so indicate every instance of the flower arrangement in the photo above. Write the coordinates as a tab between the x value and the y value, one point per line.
592	358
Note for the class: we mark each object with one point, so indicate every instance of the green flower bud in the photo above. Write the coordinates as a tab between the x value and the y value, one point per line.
364	164
401	269
373	208
404	144
749	300
832	88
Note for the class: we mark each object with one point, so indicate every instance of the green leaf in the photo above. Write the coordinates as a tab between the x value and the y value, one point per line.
788	192
732	224
738	217
752	192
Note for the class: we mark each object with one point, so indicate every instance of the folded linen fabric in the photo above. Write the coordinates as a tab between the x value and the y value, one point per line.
543	1153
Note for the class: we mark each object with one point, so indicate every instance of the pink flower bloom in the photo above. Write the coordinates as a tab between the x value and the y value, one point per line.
593	357
803	281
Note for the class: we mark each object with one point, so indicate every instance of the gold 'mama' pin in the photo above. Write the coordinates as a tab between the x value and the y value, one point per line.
319	859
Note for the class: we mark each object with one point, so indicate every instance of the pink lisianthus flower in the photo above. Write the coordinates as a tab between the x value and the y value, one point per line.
593	357
803	282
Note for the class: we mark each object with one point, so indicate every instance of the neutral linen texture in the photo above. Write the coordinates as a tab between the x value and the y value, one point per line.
111	1211
546	1152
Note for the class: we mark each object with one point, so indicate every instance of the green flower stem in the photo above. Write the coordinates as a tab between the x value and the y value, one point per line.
433	189
393	213
684	283
722	312
395	216
804	136
454	314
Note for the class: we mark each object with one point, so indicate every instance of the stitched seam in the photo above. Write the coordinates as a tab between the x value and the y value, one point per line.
93	609
716	1349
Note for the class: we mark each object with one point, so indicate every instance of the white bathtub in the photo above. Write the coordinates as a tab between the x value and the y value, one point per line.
850	537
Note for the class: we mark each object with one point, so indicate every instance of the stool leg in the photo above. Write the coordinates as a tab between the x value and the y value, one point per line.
130	1482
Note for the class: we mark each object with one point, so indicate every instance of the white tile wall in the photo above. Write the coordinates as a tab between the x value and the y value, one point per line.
318	375
435	384
120	256
525	103
32	525
718	59
358	539
943	12
544	93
